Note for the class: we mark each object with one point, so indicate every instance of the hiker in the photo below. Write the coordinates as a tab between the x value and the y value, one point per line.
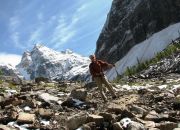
96	68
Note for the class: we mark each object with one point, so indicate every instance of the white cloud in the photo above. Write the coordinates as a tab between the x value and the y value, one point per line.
82	8
15	37
34	37
14	22
67	27
52	19
86	34
40	16
64	31
12	59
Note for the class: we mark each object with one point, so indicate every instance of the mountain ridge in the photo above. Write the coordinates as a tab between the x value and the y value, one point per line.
45	62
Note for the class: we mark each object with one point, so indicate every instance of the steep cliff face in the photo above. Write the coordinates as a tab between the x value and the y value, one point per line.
130	22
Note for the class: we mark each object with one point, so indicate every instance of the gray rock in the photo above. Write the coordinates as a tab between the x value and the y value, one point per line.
26	118
45	113
4	127
2	99
130	22
152	116
80	94
95	118
26	88
86	127
138	110
117	126
107	116
136	126
75	121
115	108
90	85
167	125
153	129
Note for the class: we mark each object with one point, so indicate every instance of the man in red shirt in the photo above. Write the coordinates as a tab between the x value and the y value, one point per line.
96	68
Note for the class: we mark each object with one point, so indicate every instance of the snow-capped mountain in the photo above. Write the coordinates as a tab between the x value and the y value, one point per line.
45	62
9	70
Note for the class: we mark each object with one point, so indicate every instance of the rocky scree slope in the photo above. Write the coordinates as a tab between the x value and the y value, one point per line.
167	65
141	104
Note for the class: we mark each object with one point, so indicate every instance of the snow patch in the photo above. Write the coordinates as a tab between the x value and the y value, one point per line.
146	49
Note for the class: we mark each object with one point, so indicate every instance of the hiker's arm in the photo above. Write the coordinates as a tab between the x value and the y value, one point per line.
105	64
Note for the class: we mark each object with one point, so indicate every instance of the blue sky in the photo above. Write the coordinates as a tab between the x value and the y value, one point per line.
58	24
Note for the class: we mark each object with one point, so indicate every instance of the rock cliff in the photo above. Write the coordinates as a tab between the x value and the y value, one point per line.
130	22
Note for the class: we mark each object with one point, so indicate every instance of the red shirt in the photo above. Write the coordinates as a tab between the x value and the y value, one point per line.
97	67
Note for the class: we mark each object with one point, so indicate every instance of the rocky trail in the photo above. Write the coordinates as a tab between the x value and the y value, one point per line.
141	104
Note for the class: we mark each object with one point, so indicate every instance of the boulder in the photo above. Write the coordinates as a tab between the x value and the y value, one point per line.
75	121
45	113
48	97
152	116
80	94
115	108
2	99
95	118
135	126
138	110
167	125
90	85
117	126
107	116
4	127
26	118
39	79
26	88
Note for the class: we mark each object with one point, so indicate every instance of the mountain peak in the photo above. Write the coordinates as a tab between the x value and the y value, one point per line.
45	62
67	51
38	45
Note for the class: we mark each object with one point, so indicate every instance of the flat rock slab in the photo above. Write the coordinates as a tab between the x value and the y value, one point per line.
26	118
4	127
95	118
45	113
48	98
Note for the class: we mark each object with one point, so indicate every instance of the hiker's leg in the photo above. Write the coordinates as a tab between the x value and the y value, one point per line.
104	88
98	80
109	86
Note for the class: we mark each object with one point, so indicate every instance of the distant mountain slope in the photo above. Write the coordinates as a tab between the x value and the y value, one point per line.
45	62
9	70
130	22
